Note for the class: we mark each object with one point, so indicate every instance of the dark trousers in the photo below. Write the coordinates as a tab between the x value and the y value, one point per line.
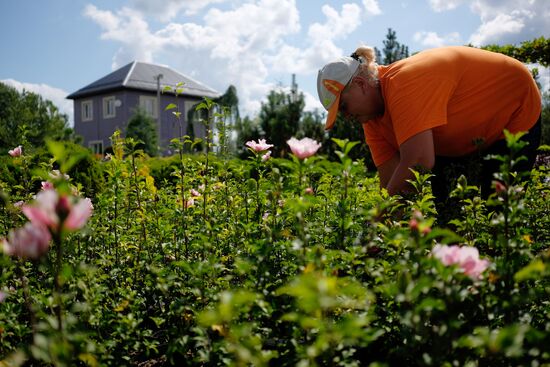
478	170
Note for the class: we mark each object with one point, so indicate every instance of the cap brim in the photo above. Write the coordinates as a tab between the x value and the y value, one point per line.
332	113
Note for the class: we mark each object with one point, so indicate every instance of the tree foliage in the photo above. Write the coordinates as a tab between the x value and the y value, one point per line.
246	129
393	50
143	129
230	100
27	119
536	51
280	117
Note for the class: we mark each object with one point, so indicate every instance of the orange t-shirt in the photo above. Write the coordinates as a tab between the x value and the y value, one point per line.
463	94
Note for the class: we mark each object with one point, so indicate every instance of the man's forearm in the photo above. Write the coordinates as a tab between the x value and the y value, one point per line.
398	182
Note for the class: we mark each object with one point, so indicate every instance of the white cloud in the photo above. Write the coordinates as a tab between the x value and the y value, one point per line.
544	76
166	10
432	39
510	21
496	28
337	25
503	21
55	95
372	7
129	28
244	46
444	5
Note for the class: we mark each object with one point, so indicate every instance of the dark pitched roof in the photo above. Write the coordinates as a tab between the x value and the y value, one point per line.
141	75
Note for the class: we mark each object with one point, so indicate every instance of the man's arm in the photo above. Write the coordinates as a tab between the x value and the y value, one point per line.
416	151
386	170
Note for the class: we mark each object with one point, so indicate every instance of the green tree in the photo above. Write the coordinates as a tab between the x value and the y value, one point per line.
143	128
393	50
312	126
228	103
230	100
246	129
536	51
27	119
353	131
280	117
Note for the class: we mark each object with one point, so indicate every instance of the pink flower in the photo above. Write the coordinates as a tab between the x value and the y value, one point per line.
499	186
260	146
266	156
303	148
2	296
56	175
195	193
309	191
52	211
29	242
466	257
189	203
16	152
19	204
78	214
47	185
43	212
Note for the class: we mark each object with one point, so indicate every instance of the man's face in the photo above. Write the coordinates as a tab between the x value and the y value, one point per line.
360	101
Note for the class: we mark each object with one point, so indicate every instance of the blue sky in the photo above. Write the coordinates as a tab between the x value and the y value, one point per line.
54	47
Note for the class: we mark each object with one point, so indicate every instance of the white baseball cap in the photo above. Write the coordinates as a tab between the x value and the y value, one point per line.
331	81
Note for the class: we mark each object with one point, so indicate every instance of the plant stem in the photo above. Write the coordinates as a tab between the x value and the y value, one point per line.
27	297
57	281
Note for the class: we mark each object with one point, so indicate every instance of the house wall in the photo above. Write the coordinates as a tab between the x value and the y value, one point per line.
101	129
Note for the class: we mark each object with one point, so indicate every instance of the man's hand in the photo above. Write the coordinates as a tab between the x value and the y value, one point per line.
416	151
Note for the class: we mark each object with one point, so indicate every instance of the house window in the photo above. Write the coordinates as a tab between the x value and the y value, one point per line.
149	105
109	107
96	146
87	113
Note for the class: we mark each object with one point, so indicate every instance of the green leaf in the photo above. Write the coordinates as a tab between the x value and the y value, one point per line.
531	271
171	106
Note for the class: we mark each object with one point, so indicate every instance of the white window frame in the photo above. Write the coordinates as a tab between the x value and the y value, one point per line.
90	115
142	103
93	143
109	101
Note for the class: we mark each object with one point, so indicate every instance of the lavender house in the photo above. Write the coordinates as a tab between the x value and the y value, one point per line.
107	104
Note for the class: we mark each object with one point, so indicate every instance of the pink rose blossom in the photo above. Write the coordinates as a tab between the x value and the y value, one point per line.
466	257
56	175
49	209
260	146
43	211
29	242
16	152
19	204
78	214
266	156
303	148
499	186
189	203
47	185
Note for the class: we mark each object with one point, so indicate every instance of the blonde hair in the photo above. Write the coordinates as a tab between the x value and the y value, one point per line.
369	67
